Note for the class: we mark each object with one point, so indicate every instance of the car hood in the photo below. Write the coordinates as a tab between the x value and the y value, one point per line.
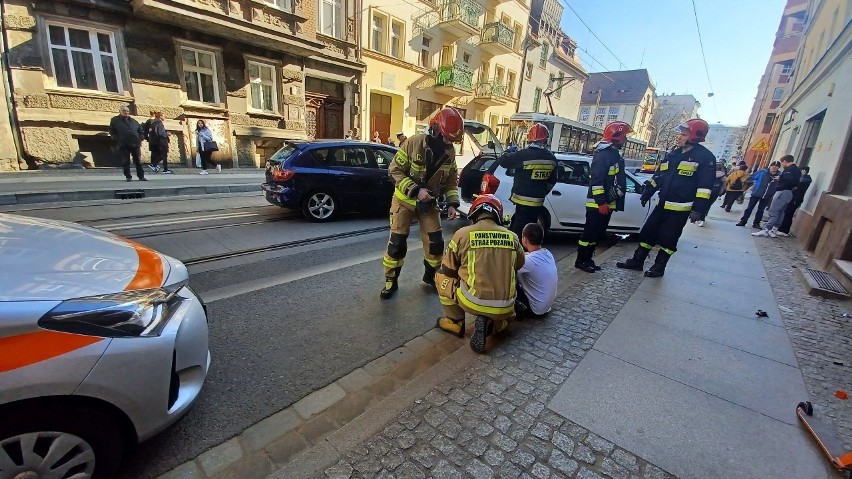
50	260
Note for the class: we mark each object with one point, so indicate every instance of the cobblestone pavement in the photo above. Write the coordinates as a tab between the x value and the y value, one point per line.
492	420
821	336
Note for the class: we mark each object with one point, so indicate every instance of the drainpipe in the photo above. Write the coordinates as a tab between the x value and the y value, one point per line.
8	84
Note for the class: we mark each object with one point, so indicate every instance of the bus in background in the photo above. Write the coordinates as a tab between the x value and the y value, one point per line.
568	136
652	159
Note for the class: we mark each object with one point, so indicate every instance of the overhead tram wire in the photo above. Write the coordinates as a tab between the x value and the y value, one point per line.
704	58
620	63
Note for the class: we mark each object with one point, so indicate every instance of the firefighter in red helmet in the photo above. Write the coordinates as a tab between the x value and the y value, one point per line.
535	176
684	180
423	169
495	255
606	192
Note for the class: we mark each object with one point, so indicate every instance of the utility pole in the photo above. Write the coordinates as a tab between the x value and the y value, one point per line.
597	104
526	47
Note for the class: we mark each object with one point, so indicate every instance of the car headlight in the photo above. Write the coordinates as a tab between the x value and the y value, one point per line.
142	312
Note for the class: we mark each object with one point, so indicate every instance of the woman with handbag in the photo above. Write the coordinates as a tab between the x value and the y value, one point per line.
205	146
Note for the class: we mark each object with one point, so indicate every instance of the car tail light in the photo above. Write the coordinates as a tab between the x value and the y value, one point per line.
282	174
489	185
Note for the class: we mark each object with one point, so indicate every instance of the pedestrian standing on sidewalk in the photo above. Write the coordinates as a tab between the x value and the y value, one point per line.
478	272
798	199
538	278
158	139
735	186
764	185
606	193
146	130
127	135
205	145
684	179
789	179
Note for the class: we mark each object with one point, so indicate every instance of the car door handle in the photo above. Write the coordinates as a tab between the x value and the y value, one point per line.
556	193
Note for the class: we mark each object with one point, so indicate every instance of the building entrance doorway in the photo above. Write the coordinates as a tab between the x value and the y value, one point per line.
380	116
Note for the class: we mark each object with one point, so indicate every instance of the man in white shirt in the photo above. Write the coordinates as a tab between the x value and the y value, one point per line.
537	279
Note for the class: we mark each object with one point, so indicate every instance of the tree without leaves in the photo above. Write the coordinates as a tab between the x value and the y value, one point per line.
666	117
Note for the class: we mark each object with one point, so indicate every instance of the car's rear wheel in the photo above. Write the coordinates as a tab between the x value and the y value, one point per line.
320	206
59	443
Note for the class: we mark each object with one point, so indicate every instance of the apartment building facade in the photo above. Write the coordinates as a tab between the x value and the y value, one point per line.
814	127
257	72
725	142
774	84
671	110
627	96
423	56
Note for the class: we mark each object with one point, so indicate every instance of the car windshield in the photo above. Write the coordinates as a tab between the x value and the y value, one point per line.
284	153
483	138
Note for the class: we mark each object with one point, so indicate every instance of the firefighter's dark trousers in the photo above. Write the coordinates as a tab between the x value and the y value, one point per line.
401	216
525	215
663	227
595	228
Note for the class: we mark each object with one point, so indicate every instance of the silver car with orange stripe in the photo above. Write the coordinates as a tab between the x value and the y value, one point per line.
102	345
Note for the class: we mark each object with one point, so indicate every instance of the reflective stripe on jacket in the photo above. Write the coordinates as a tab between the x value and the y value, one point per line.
485	257
685	179
535	175
411	165
607	171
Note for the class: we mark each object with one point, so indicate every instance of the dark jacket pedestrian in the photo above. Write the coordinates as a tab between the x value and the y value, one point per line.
798	198
127	135
158	142
764	184
787	182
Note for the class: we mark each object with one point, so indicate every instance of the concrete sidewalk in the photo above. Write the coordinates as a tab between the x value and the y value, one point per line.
55	186
630	377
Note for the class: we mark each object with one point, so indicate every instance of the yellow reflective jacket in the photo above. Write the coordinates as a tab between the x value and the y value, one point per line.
411	165
485	258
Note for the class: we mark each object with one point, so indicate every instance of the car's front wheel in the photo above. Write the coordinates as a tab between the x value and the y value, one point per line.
320	206
57	443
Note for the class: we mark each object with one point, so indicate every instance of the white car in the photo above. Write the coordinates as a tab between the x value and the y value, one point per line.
566	203
102	345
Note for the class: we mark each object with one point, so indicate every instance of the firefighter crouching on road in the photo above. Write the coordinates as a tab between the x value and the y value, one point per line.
478	274
606	193
535	176
684	179
423	168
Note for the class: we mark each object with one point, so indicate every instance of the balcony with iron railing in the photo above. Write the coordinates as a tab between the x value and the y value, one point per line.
490	93
497	39
454	80
459	18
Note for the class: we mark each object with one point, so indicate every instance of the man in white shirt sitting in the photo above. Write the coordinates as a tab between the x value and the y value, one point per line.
537	279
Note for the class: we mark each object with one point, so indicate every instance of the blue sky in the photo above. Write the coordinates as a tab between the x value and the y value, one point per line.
737	36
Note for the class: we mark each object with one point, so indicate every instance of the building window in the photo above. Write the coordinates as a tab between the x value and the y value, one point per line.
286	5
425	60
778	94
536	99
264	88
199	75
396	38
551	81
584	114
767	123
545	49
787	69
426	108
84	58
528	73
510	83
600	115
466	58
559	84
379	33
613	114
331	22
519	36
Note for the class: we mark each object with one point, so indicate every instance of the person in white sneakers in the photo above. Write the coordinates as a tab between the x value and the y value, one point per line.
787	182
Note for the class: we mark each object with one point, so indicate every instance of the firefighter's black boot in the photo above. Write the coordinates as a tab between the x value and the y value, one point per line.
584	258
390	285
637	262
659	267
428	274
483	327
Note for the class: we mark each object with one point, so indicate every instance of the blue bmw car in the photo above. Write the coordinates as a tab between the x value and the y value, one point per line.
326	178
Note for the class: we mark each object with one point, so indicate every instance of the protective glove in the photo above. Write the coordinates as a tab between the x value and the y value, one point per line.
694	216
603	209
647	193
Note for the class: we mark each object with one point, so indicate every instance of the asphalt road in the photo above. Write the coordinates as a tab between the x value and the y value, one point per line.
283	323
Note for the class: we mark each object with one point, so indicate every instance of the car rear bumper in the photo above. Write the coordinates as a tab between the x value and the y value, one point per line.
280	195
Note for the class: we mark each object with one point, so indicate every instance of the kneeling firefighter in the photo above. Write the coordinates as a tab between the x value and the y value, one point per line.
478	274
535	176
606	193
423	168
685	180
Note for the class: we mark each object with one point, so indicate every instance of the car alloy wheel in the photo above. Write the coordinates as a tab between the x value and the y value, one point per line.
320	206
46	455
